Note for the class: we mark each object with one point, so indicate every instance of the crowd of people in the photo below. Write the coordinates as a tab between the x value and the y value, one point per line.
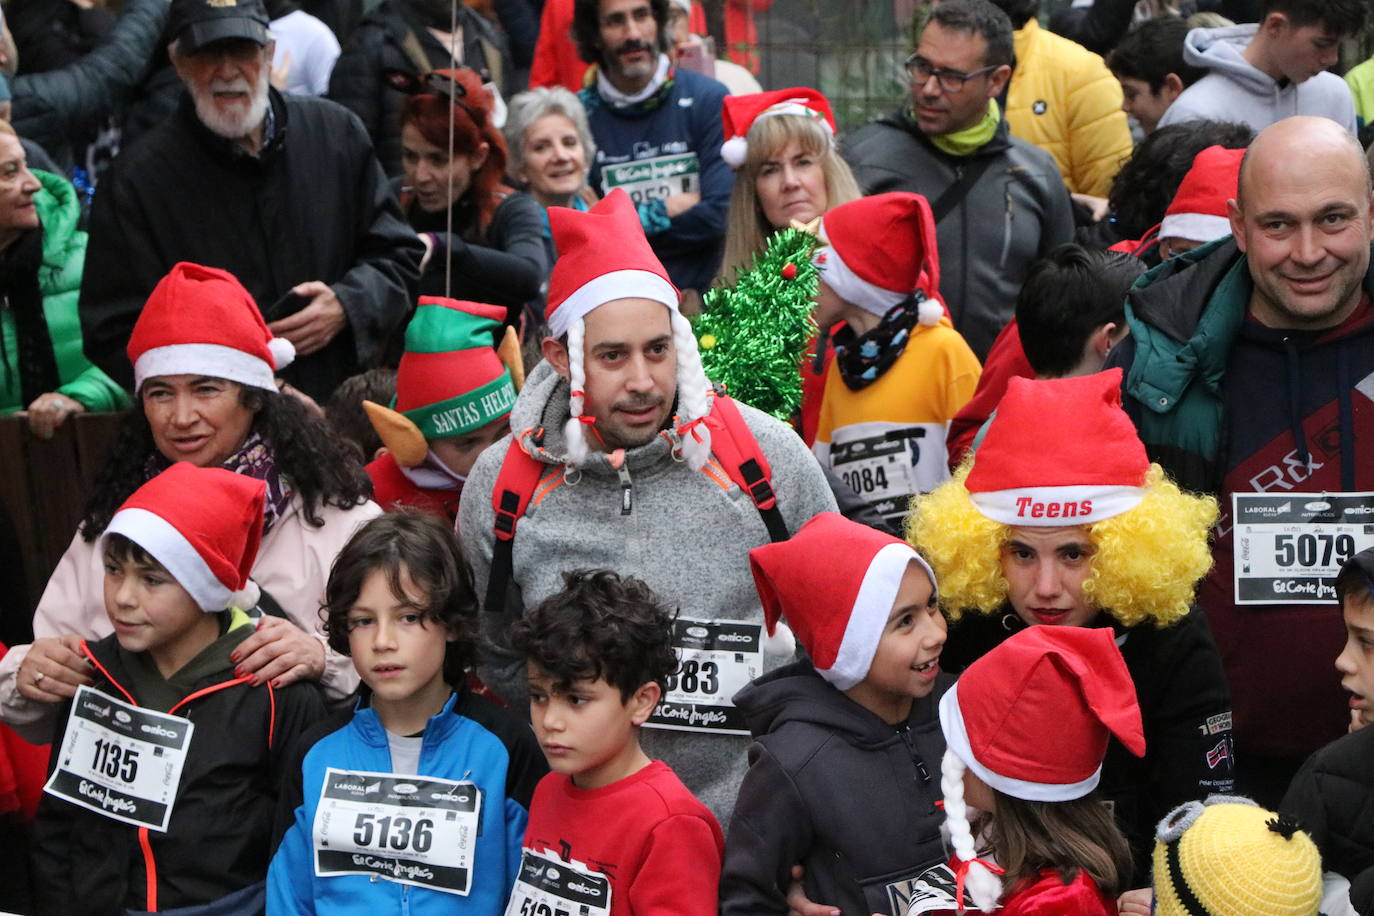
429	571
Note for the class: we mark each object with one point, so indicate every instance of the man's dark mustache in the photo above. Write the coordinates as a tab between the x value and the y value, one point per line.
630	47
635	405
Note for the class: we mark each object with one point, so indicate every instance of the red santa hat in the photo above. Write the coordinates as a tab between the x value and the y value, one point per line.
881	249
201	321
603	256
1070	683
741	112
1198	210
1059	452
835	581
203	525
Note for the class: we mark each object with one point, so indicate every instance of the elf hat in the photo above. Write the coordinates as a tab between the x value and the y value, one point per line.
1198	210
1230	857
881	250
201	321
1059	452
202	524
603	256
835	581
1068	683
451	379
741	112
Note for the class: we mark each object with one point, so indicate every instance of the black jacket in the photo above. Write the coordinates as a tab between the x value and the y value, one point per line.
220	835
505	265
50	108
1185	706
313	206
379	44
834	788
1333	798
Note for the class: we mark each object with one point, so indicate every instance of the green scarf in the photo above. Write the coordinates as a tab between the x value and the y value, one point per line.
970	139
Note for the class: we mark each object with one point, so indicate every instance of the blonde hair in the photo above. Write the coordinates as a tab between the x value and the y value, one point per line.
746	230
1146	564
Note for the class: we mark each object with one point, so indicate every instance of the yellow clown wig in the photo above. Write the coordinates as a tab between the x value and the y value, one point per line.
1147	562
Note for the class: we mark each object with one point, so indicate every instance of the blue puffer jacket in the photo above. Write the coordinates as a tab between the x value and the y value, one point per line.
470	739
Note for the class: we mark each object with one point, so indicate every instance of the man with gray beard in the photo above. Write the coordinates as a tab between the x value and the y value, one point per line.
284	192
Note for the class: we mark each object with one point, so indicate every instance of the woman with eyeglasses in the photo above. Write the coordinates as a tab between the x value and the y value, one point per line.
483	241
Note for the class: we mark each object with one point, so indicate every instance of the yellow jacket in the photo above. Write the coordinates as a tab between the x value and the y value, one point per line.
1064	100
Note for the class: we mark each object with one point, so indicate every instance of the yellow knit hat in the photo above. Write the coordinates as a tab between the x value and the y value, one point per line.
1230	857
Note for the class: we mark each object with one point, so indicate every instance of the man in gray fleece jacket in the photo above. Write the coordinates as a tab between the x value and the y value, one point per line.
631	484
1264	73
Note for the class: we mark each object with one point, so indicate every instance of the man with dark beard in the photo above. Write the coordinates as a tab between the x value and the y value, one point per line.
284	192
658	134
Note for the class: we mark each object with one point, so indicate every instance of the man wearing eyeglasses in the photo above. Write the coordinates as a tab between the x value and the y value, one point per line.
999	202
283	192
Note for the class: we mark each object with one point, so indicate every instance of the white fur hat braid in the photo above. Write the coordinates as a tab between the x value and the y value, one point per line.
577	400
983	887
692	400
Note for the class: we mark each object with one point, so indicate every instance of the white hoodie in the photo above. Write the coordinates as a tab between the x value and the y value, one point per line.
1236	91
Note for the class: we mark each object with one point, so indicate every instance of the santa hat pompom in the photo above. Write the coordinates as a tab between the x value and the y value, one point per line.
929	312
734	151
283	352
781	642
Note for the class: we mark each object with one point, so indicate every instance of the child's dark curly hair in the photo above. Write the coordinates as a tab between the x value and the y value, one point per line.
418	547
600	626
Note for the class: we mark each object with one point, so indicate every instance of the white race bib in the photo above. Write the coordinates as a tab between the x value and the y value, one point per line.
548	886
121	760
417	830
1287	549
654	179
888	463
718	658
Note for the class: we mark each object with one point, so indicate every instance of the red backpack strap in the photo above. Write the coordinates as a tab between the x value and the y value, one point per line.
734	446
510	497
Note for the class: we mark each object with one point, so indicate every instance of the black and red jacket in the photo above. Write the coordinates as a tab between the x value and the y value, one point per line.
219	837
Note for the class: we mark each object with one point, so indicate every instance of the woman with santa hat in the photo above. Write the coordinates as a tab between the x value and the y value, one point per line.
205	369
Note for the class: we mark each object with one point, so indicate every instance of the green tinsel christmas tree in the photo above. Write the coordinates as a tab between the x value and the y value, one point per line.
753	335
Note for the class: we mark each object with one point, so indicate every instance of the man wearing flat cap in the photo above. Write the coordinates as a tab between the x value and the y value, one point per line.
284	192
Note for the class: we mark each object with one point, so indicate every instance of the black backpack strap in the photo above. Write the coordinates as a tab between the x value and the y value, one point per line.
953	194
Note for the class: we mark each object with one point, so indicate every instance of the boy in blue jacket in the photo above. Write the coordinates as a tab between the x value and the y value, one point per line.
417	801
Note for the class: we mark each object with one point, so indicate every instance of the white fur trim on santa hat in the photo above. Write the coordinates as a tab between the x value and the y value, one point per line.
164	543
1052	507
1195	227
852	288
618	284
957	742
868	617
736	149
212	360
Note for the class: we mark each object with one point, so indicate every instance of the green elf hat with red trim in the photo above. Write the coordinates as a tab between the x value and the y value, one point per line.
451	379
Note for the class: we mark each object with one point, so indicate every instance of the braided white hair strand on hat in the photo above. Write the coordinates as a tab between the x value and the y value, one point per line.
983	887
577	379
692	400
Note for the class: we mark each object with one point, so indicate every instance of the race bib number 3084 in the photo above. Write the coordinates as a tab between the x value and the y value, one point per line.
412	829
1288	549
121	760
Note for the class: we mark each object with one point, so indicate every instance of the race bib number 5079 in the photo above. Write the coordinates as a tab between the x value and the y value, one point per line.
1289	548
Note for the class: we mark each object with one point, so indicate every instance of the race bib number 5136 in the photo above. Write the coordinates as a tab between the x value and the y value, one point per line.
413	829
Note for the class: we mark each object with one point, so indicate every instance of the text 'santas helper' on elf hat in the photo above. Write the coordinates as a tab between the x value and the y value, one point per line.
603	256
451	379
203	525
880	250
197	23
739	113
835	582
1059	452
1031	719
1198	210
201	321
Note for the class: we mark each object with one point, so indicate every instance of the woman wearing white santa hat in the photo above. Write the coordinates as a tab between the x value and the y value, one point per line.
205	370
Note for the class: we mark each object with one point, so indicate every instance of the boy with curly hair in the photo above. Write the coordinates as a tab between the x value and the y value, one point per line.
1059	519
611	832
